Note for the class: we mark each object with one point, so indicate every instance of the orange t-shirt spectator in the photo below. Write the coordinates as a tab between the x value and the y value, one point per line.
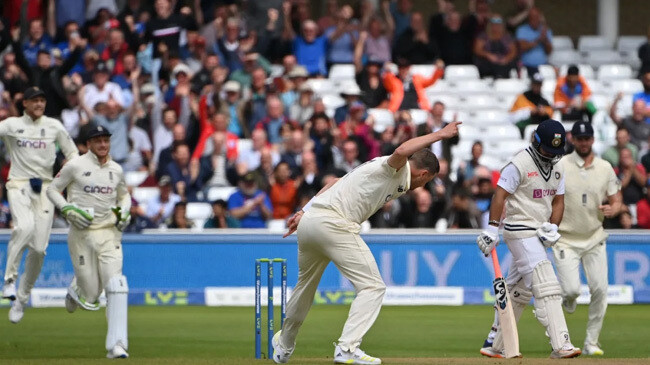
283	192
406	90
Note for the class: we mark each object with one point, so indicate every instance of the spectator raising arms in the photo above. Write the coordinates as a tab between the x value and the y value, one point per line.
406	90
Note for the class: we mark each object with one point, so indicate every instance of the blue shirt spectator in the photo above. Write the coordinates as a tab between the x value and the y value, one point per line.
249	204
70	11
38	40
535	41
310	50
341	49
401	12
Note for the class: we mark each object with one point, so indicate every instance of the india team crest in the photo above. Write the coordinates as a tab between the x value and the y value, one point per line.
557	140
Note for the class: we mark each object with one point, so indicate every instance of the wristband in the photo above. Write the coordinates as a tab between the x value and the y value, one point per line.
494	223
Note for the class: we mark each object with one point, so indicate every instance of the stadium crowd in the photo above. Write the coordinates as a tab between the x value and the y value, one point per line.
214	94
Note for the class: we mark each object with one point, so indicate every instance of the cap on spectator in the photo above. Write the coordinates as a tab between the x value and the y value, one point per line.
164	180
403	62
98	131
573	70
582	129
298	71
305	88
537	78
231	86
147	88
33	92
351	89
181	67
101	67
249	177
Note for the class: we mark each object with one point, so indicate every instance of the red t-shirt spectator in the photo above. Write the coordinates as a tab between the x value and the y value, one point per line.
206	130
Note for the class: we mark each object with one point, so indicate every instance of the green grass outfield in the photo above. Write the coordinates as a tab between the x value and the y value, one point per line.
214	335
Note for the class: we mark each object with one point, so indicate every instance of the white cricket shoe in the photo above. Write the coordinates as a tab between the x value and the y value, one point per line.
593	350
354	357
280	354
566	352
16	312
490	351
117	352
70	304
569	305
9	290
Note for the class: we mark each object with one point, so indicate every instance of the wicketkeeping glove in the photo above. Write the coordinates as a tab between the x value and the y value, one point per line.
488	239
77	217
548	234
123	220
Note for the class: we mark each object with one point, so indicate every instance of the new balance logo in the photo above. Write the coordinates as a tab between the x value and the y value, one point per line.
20	131
87	173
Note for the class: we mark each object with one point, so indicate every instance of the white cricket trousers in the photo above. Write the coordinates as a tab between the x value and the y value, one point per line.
96	256
594	263
32	216
324	236
527	253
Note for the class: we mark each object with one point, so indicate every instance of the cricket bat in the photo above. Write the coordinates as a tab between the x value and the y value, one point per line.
507	323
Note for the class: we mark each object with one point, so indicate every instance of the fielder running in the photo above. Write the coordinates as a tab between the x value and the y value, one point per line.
531	187
31	141
98	209
328	230
589	182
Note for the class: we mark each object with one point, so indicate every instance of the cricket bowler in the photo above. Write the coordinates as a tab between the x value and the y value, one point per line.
328	230
31	140
590	181
97	209
531	188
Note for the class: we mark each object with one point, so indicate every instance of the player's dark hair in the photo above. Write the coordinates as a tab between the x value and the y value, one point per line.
425	159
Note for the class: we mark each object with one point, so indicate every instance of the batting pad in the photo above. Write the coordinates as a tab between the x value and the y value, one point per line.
519	297
117	291
548	304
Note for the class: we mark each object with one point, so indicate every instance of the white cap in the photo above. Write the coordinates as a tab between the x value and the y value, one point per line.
181	67
232	86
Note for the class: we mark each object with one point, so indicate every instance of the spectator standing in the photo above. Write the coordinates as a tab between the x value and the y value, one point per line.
406	90
350	156
531	107
535	41
414	43
635	124
309	48
303	108
401	13
37	41
495	51
159	208
100	90
251	206
255	104
454	38
165	28
283	192
249	160
275	121
519	15
220	216
243	75
572	96
331	15
341	38
612	154
187	175
376	42
351	94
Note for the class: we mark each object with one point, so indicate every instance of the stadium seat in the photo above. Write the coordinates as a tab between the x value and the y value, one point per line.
614	72
504	133
510	86
595	85
458	115
342	72
198	211
419	116
492	162
461	72
424	70
588	43
547	71
562	42
382	118
135	178
440	87
566	57
601	101
528	132
220	192
478	102
322	86
629	44
548	89
597	58
586	71
629	86
144	194
332	101
500	149
466	87
488	118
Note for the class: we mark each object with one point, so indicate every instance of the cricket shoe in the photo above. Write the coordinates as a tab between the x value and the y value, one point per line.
489	351
9	290
117	352
593	350
280	355
354	357
70	304
569	305
16	312
566	352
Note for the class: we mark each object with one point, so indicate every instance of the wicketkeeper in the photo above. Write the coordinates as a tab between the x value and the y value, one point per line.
97	209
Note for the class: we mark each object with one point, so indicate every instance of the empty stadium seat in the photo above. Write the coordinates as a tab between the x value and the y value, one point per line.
488	118
135	178
510	86
424	70
597	58
630	43
493	162
548	89
601	101
565	57
220	192
614	72
562	42
547	72
382	118
439	87
588	43
461	72
466	87
322	86
144	194
198	211
629	86
342	72
586	71
478	102
332	101
419	116
450	101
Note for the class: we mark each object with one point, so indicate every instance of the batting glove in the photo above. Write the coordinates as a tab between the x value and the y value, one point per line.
548	234
123	220
77	217
488	239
